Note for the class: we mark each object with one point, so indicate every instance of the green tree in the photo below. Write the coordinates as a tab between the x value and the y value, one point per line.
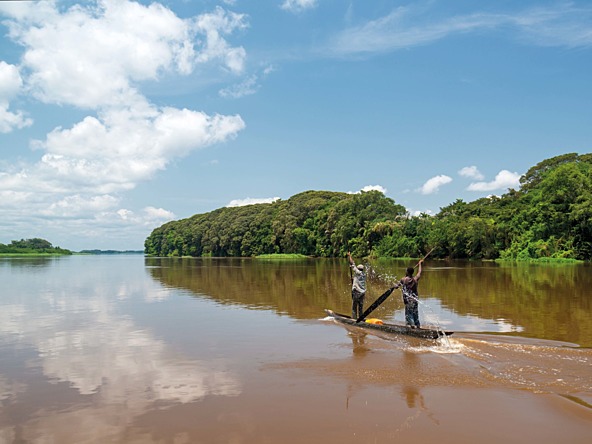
549	216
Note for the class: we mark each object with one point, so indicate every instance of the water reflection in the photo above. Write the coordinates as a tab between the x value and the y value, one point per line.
30	262
410	391
540	301
295	287
64	335
359	347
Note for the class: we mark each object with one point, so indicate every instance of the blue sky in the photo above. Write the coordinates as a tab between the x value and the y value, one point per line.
117	116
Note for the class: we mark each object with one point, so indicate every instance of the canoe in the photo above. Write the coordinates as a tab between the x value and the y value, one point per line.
426	333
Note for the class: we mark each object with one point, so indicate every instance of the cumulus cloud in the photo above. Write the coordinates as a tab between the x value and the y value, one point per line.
158	213
96	57
503	180
119	149
472	172
148	216
10	81
374	188
10	86
76	205
433	185
130	43
214	26
85	169
251	201
370	188
298	5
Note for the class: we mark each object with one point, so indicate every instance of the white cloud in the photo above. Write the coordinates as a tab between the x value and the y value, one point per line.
77	205
503	180
149	216
96	56
433	185
10	86
214	25
80	222
248	86
418	213
251	201
245	88
561	25
130	43
119	150
10	81
298	5
10	120
566	25
374	188
471	172
370	188
158	213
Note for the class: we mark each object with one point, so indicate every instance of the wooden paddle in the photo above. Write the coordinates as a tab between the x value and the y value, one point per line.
375	304
351	274
424	257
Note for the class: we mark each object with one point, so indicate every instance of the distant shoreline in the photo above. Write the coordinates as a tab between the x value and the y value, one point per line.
110	252
33	254
84	252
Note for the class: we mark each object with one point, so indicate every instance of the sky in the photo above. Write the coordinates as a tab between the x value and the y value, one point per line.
117	116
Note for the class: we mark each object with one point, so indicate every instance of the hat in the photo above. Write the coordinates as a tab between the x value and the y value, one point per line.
360	267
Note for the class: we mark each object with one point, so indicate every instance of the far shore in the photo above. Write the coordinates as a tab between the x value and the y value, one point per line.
276	256
33	254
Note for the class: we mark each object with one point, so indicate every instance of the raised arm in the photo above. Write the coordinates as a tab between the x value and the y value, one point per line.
418	275
351	261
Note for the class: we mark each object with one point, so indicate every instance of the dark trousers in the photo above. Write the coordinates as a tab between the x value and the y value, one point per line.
411	312
357	304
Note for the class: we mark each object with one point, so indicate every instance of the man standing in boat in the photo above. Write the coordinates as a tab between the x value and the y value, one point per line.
411	295
358	287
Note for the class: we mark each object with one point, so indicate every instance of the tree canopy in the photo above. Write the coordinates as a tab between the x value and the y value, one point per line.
32	246
550	216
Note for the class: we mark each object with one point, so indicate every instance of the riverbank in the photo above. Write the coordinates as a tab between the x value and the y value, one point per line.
34	254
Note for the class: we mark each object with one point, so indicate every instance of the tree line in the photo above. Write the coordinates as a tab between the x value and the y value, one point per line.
548	217
31	246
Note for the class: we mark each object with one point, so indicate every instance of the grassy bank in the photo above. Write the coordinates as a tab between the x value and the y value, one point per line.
281	256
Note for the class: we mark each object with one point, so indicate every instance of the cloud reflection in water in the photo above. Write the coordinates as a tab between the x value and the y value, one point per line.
117	369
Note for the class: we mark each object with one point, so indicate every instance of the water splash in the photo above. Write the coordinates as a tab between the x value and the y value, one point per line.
446	345
444	338
372	274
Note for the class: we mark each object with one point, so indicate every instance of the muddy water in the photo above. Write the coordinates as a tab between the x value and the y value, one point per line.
124	349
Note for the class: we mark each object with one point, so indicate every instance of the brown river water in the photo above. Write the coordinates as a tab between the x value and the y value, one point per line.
128	349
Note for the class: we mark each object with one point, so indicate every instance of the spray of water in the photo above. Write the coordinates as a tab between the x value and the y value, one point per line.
434	318
385	277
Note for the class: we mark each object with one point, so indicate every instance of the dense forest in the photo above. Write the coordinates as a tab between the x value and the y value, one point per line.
550	216
34	246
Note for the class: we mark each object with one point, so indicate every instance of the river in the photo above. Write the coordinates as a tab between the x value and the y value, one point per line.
128	349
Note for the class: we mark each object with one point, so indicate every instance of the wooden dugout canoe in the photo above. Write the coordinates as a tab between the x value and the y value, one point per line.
426	333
